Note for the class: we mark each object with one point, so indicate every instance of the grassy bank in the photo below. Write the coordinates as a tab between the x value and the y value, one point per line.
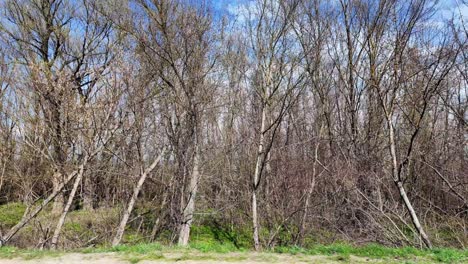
208	242
216	252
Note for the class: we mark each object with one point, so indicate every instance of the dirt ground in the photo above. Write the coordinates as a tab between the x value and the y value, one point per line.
243	258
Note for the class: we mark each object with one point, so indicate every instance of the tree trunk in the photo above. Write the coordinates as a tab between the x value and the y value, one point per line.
88	193
131	203
28	216
399	183
58	154
184	233
61	220
255	221
57	207
414	216
256	180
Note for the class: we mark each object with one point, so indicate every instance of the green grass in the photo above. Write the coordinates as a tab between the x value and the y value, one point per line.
209	246
199	251
12	252
138	248
11	214
374	251
230	239
209	240
214	242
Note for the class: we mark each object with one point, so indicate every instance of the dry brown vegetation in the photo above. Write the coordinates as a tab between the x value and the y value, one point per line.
291	122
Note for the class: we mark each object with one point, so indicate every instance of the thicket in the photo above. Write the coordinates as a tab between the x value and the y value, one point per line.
269	124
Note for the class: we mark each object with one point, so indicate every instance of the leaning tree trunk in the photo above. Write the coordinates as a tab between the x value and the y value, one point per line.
184	232
414	216
131	203
399	183
61	221
33	213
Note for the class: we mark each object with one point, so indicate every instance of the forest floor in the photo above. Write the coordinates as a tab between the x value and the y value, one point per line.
155	253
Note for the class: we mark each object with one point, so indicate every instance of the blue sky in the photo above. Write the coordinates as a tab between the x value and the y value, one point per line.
446	7
223	7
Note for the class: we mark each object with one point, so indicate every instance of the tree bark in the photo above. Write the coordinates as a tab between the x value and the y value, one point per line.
255	221
58	154
414	216
131	203
57	207
184	233
256	180
66	209
399	183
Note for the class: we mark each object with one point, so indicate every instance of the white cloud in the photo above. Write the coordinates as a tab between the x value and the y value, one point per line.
240	10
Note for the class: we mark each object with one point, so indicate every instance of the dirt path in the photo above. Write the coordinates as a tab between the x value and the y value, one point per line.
199	258
73	258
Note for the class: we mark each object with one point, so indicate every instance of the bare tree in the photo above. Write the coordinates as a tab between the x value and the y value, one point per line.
60	66
275	79
427	73
306	120
131	203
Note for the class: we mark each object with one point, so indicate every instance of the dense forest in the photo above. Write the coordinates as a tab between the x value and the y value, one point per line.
267	122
